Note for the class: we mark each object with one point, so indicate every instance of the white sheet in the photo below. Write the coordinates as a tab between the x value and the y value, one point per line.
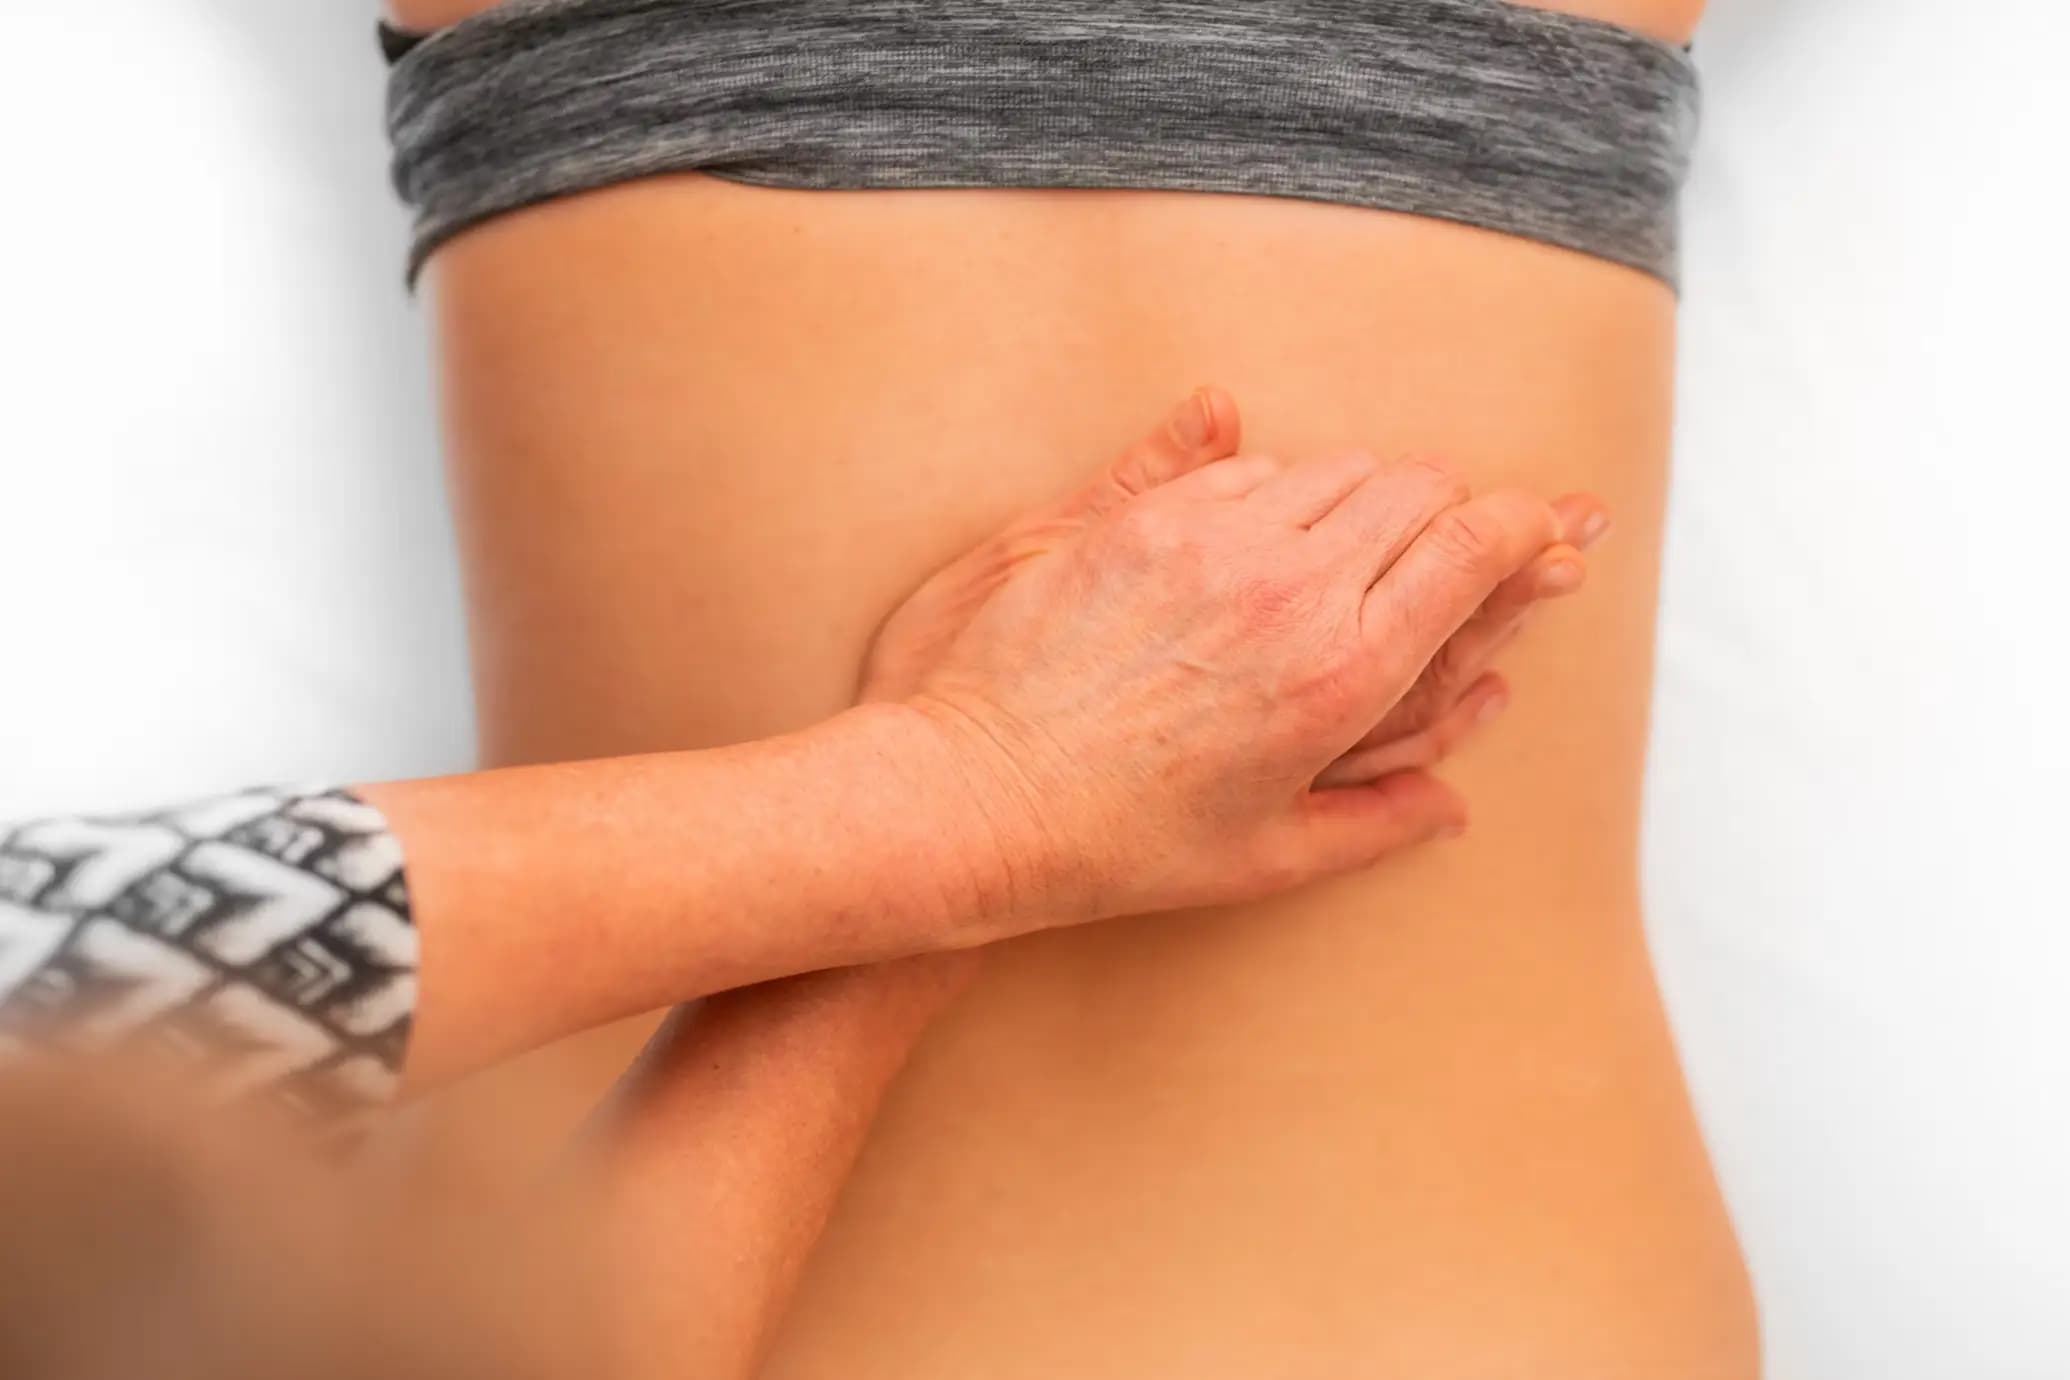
223	542
224	557
1857	825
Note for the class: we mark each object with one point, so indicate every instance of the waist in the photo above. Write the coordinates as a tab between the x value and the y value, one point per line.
1521	119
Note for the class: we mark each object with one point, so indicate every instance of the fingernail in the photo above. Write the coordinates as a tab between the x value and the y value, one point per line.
1593	529
1561	577
1193	423
1492	707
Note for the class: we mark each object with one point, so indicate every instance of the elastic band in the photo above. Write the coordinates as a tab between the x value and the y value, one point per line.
1515	118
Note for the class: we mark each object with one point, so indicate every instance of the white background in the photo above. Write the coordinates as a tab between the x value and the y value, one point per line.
224	558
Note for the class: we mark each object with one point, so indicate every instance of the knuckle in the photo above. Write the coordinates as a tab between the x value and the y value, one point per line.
1436	476
1238	475
1525	516
1467	538
1443	675
1360	463
1154	530
1124	479
1412	715
1333	684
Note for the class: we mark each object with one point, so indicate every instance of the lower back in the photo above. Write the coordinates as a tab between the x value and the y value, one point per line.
1426	1121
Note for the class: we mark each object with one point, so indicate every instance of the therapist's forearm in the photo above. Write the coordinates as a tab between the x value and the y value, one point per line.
555	898
714	1170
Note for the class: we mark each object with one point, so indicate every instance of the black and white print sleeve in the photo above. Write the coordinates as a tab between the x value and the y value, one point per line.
263	938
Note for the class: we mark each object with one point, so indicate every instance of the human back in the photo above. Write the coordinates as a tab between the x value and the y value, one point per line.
1424	1121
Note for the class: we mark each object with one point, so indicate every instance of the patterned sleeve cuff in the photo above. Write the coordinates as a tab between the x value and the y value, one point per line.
264	938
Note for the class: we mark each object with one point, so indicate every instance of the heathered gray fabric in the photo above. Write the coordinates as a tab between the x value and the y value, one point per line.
1523	120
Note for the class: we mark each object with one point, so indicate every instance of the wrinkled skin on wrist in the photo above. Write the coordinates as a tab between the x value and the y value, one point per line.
1141	687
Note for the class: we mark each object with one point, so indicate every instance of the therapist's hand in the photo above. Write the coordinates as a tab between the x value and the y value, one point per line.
1144	679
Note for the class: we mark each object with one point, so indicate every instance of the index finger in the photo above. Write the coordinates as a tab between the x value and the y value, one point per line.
1447	573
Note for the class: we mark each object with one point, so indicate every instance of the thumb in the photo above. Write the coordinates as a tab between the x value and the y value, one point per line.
1204	428
1346	828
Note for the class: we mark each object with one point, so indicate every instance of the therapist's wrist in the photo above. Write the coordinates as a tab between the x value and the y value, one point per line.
994	870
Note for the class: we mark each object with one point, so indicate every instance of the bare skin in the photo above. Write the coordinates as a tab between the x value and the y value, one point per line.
1165	661
741	1121
1162	664
1423	1121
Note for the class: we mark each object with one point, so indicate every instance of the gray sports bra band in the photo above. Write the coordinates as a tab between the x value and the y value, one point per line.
1523	120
